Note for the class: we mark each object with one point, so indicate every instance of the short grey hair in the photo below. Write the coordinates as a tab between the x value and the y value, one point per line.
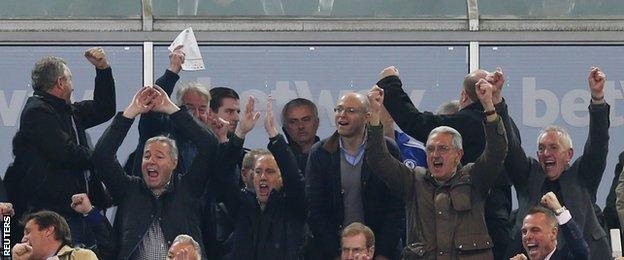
298	102
197	87
561	132
457	138
46	72
173	148
188	239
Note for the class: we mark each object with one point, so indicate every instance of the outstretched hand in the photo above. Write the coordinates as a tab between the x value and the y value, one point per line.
375	97
176	59
97	57
269	121
497	79
162	102
484	93
248	119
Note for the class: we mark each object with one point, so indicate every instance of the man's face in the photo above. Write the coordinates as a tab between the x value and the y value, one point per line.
267	177
350	116
196	103
538	236
553	154
442	156
229	111
37	239
67	85
176	252
352	245
157	165
301	124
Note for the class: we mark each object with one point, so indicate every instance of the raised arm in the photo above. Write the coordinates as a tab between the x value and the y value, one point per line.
412	121
107	168
490	163
593	161
393	172
294	184
102	107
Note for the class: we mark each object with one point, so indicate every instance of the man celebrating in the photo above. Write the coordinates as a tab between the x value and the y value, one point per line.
342	189
540	228
47	236
574	184
52	156
156	208
445	203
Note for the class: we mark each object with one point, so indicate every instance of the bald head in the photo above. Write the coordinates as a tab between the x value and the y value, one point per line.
361	98
469	83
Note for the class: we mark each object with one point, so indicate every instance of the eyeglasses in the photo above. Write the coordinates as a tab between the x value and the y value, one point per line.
348	110
442	149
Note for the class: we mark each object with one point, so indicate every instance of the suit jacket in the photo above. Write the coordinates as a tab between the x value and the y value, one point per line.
579	182
576	248
383	211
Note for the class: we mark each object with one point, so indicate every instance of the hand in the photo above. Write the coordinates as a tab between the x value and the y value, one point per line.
176	59
375	97
6	209
97	57
248	119
484	93
389	71
497	79
22	251
596	81
550	201
162	102
81	203
219	127
519	257
269	121
142	102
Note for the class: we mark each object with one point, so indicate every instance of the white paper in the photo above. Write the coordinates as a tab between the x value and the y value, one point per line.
192	59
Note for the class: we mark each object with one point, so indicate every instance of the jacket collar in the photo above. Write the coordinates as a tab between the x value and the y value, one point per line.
56	102
332	143
65	250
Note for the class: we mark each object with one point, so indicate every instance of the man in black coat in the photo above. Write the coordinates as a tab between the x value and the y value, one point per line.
467	121
269	221
52	156
576	183
156	208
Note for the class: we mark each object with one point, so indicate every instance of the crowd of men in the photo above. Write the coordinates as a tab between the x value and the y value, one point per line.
438	189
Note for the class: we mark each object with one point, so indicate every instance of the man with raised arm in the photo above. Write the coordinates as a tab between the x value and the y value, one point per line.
52	154
576	183
445	203
155	208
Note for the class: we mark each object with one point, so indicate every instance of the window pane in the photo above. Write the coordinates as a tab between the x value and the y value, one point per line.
313	8
50	9
552	8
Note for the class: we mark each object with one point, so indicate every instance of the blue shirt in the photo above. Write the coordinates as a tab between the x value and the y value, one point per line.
355	158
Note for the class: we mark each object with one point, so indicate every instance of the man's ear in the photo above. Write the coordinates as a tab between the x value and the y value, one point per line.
570	154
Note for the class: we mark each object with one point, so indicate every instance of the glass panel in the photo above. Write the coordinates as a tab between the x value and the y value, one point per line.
17	63
548	85
552	8
50	9
314	8
323	73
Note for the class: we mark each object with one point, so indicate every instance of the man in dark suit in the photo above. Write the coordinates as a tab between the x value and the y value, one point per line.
540	228
574	184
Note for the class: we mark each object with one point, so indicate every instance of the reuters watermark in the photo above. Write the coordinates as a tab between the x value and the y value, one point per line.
6	237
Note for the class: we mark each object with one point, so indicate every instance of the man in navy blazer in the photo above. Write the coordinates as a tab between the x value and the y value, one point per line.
540	228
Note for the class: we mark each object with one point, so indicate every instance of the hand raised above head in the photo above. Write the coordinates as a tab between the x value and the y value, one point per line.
176	59
389	71
248	119
484	93
162	102
269	120
142	102
97	57
596	81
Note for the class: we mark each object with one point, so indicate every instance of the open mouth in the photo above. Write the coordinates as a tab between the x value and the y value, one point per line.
437	164
532	248
263	189
152	172
549	164
343	123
